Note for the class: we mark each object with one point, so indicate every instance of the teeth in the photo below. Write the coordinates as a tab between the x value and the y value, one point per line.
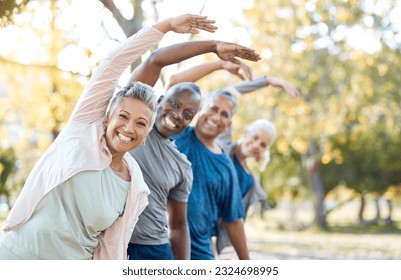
124	138
169	122
212	124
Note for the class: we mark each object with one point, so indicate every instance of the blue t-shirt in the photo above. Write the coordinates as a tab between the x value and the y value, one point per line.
245	179
215	193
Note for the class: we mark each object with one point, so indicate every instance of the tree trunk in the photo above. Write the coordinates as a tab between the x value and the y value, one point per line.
378	216
361	221
318	188
389	219
311	161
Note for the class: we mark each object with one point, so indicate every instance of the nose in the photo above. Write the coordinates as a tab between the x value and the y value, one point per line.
177	114
256	147
216	117
128	128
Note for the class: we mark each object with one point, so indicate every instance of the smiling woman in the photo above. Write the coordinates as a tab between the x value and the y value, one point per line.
83	197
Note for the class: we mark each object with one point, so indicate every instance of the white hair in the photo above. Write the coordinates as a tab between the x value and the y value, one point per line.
264	125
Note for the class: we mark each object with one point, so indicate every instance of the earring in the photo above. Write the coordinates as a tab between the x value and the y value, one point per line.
143	143
124	128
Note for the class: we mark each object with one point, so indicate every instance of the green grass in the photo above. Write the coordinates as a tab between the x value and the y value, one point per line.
285	234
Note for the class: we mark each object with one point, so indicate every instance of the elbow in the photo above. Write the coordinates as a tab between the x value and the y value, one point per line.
172	81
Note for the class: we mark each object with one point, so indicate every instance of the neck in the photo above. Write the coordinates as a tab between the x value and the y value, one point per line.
155	128
240	156
209	142
117	163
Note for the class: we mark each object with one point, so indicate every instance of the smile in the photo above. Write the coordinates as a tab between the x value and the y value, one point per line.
212	124
169	122
124	138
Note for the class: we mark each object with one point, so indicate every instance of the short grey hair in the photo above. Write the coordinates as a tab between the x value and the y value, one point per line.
139	91
227	94
185	86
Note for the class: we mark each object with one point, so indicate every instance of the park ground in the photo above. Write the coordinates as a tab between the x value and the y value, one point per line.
283	234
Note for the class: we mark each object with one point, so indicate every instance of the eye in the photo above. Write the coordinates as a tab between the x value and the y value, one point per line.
142	124
173	104
188	116
123	116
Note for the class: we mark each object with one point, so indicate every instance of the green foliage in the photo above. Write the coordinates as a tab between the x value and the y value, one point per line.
369	161
288	181
7	167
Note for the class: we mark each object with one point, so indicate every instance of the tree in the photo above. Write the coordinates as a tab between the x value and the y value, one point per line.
9	8
7	167
47	91
366	162
343	82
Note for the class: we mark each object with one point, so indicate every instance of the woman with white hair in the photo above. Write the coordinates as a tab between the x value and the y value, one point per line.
256	142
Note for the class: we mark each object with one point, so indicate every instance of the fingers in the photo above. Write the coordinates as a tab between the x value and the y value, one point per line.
247	53
292	91
239	75
248	71
234	60
202	23
191	24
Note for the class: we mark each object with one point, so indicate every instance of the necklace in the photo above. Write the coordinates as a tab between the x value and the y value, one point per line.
115	170
119	170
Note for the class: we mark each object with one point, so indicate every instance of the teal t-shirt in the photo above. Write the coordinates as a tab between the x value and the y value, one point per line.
215	193
67	222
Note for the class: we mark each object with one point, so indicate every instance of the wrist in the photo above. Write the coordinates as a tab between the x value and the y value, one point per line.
163	26
267	81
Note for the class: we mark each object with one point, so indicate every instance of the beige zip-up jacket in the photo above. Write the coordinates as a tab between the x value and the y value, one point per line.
81	146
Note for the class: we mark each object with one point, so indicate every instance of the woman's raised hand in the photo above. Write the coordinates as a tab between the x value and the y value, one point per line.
187	23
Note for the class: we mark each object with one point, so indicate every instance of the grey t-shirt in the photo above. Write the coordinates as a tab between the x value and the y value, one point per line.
168	174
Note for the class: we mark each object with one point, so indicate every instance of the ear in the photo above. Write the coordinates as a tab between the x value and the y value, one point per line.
160	99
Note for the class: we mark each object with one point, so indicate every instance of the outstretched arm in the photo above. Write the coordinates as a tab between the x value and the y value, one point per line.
196	73
149	71
278	83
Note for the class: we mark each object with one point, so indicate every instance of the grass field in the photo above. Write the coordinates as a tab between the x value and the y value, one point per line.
282	234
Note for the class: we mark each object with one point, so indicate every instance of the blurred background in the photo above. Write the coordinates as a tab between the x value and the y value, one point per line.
334	179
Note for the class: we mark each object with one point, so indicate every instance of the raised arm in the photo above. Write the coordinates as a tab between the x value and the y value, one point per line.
196	73
149	71
95	98
278	83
